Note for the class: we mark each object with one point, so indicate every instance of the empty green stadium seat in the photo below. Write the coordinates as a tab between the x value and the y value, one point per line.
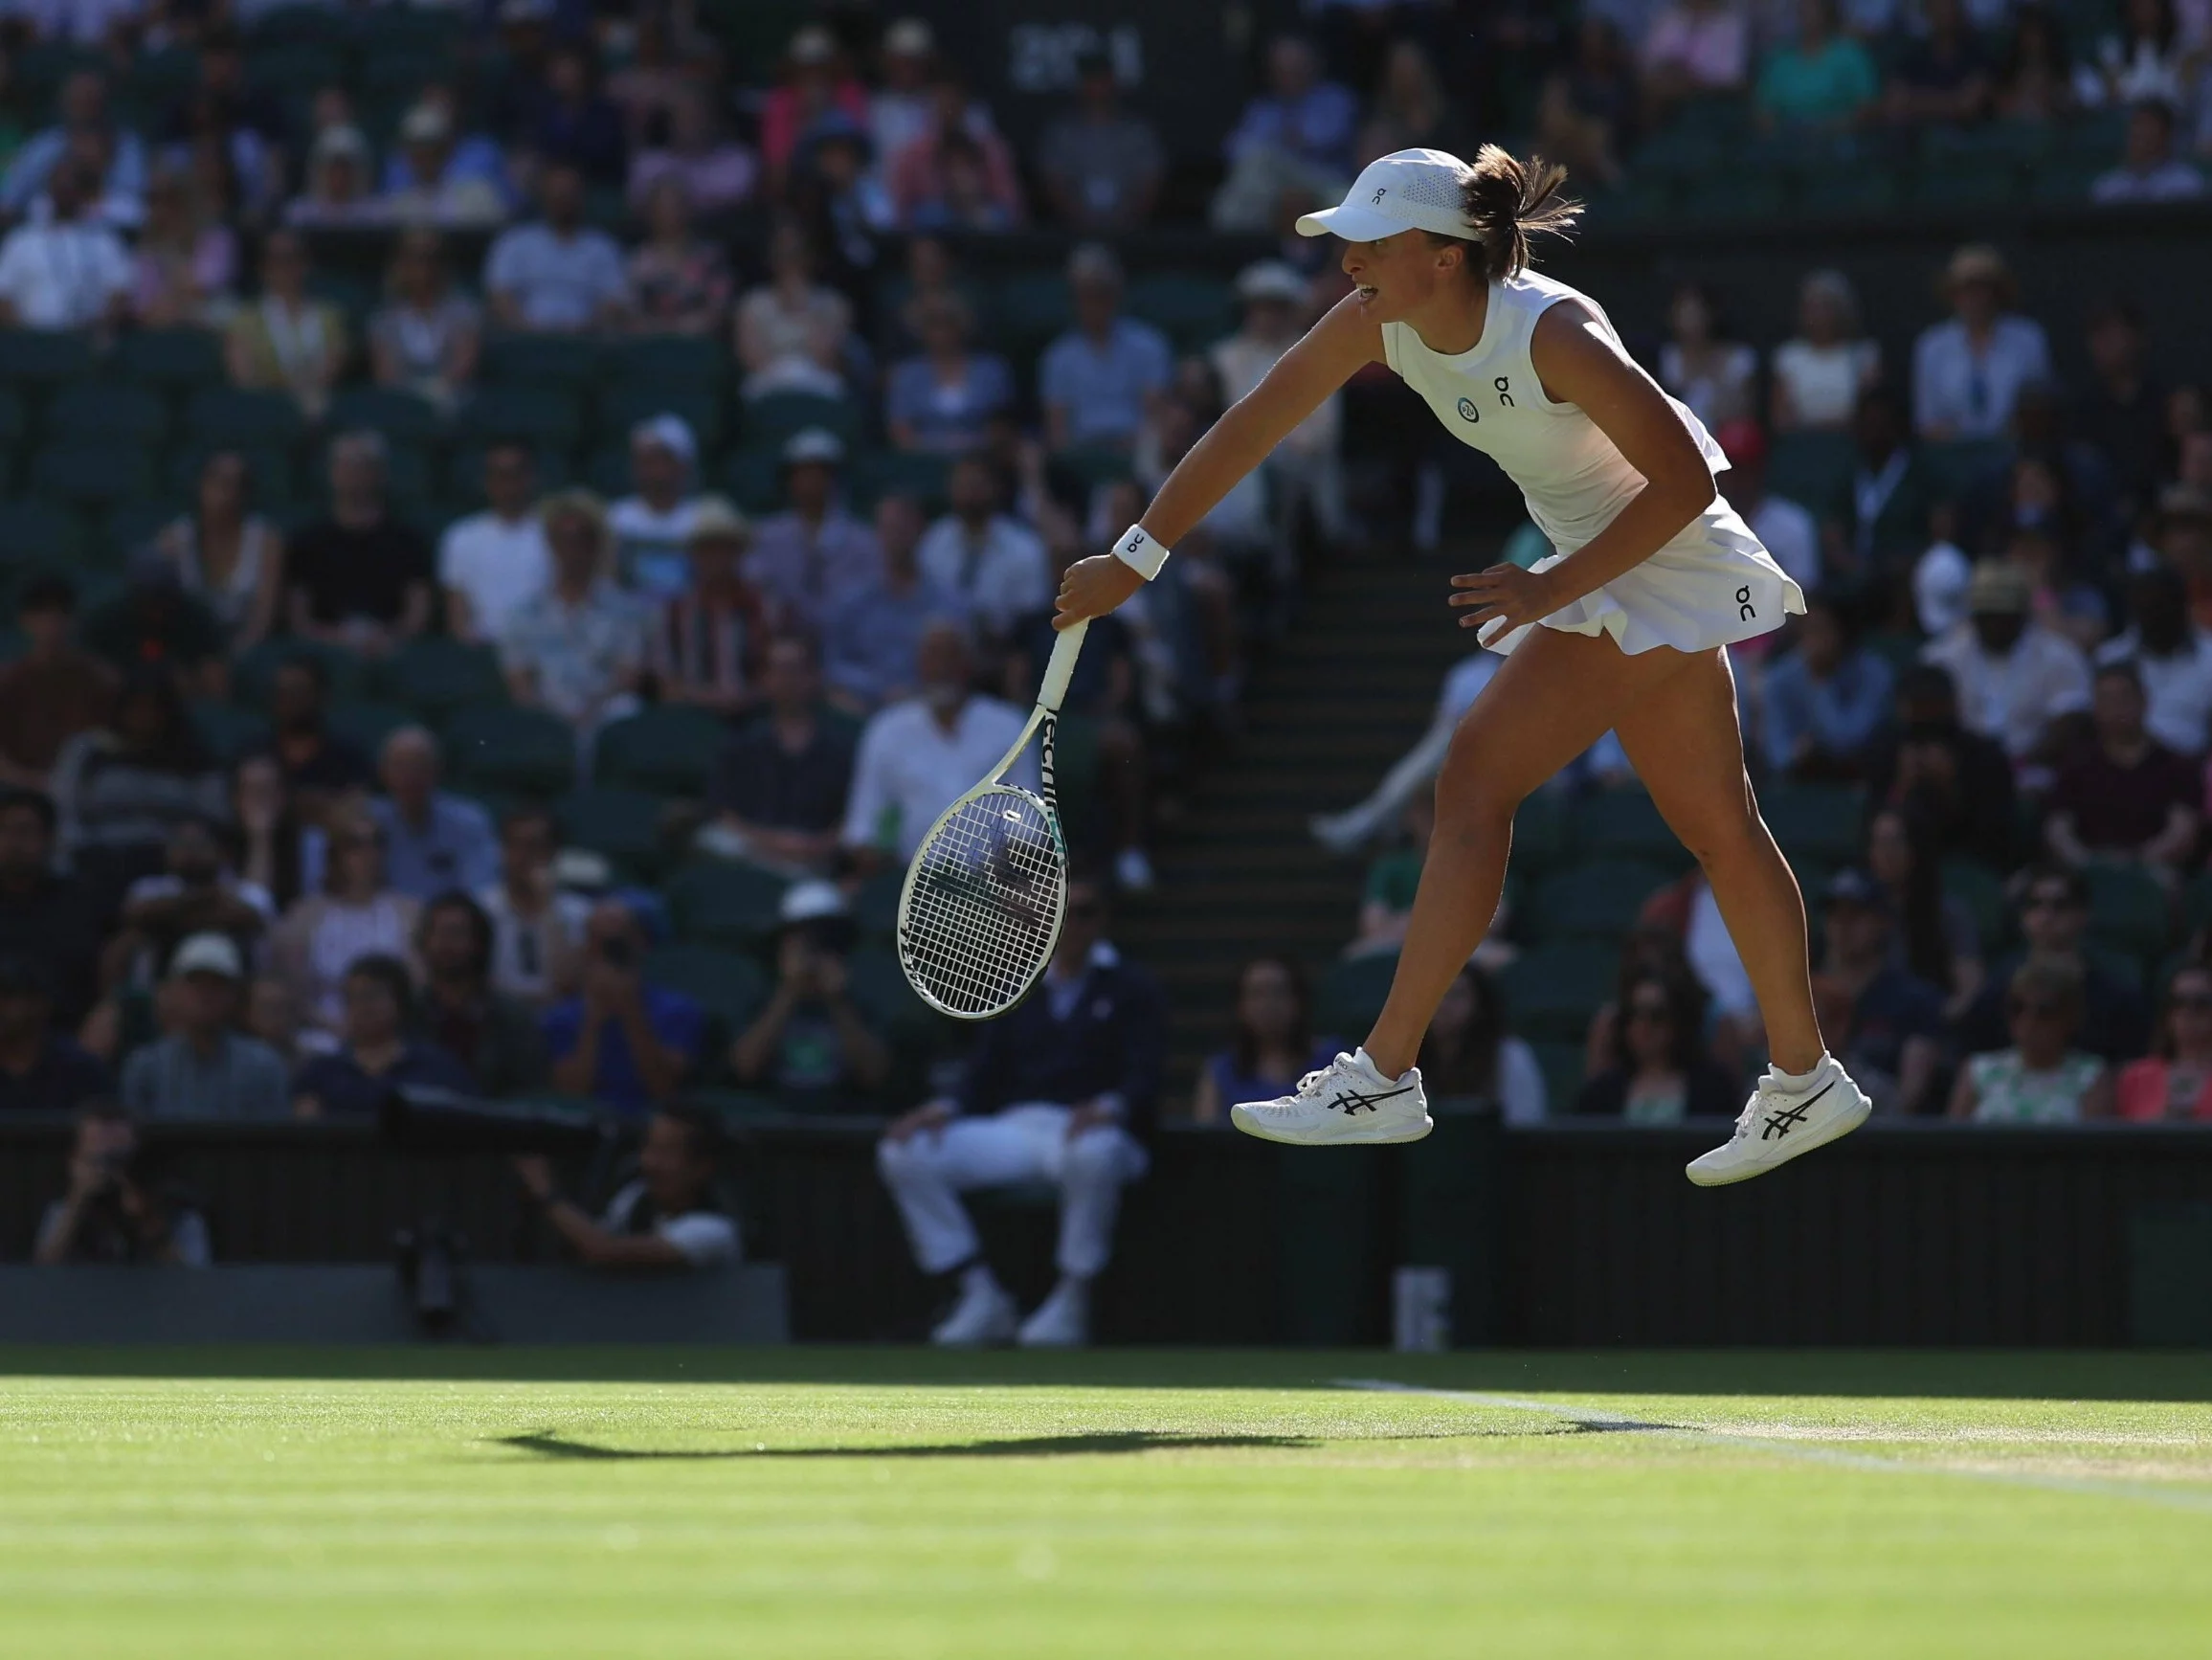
367	725
435	676
2128	909
669	360
229	730
1846	192
13	419
1596	898
729	985
130	526
271	478
1956	467
36	359
622	407
1624	824
537	360
229	416
1816	822
1094	464
1811	468
882	990
543	417
876	906
464	473
726	903
283	66
1027	311
254	675
607	473
403	416
773	419
621	826
1561	1064
90	475
39	532
170	360
1350	993
526	751
1194	311
1968	183
669	751
91	411
1554	989
753	477
906	473
1982	891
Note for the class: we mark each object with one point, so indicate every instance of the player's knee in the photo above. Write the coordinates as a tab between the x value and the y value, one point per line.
1094	1155
1475	781
895	1162
1724	838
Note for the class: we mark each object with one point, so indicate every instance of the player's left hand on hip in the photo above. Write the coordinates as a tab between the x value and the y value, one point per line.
1092	588
1504	590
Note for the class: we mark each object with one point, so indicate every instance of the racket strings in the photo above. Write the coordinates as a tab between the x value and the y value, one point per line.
984	902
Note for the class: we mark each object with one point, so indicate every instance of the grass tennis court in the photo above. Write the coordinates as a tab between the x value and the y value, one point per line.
327	1505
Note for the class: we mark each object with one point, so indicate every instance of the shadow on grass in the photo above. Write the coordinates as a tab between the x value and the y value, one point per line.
548	1445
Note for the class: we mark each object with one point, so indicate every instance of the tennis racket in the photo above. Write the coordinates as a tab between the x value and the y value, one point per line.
981	908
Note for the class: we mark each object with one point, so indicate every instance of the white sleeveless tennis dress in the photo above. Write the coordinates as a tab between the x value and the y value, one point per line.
1712	584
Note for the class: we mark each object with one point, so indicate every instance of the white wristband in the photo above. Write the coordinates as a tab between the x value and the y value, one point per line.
1136	550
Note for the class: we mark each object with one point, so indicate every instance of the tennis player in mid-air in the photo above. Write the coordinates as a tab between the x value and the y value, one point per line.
1622	628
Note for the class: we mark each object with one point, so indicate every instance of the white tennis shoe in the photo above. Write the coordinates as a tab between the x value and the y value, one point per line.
1348	1102
984	1317
1784	1117
1062	1321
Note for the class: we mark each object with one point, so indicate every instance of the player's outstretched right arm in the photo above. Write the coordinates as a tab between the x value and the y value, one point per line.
1331	352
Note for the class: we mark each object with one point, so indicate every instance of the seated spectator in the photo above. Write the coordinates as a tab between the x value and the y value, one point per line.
1821	372
1943	76
318	765
1699	365
1303	469
958	175
123	789
679	281
341	184
1392	879
433	842
376	1055
557	276
41	1070
961	197
537	930
2053	914
579	648
943	400
1063	1091
1882	1019
871	637
1888	517
2148	56
2040	1078
273	1017
1467	1052
1409	110
2018	683
84	112
2174	1080
55	690
46	917
814	554
1693	48
1935	937
932	276
1658	1071
1587	111
1302	116
2172	659
200	892
2124	798
995	563
918	758
2149	170
1788	530
1824	81
430	190
571	126
1099	381
793	332
475	158
359	578
666	1217
1968	373
812	1044
1827	700
282	854
186	266
1273	1045
716	172
651	527
1101	164
225	556
66	271
899	109
494	1037
203	1066
285	341
493	563
151	620
2034	78
119	1208
627	1043
779	785
843	203
2122	414
357	914
709	639
424	339
816	81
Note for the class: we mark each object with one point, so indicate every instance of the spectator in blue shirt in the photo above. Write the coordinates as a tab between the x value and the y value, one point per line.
1099	380
378	1055
1825	700
83	108
558	275
626	1043
1301	114
433	842
574	125
1968	373
944	399
872	637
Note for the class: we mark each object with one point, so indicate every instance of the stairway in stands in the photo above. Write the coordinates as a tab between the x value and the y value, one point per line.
1328	709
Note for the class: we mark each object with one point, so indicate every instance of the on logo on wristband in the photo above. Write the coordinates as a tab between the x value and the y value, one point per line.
1137	549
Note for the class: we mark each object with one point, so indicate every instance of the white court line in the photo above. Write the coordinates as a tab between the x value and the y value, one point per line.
2147	1493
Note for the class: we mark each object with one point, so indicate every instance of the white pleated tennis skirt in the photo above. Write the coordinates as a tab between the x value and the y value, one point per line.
1712	584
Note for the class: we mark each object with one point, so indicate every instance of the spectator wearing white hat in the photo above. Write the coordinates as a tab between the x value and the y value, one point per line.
341	182
808	558
2022	684
900	111
205	1068
652	524
812	1043
577	648
430	189
709	639
1303	468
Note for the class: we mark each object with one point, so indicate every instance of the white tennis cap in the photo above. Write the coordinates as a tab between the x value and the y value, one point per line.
1404	191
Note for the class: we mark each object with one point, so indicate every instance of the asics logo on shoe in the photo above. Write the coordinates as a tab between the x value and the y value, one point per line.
1351	1102
1782	1122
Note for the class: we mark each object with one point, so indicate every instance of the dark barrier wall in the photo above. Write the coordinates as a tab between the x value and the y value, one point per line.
1565	1235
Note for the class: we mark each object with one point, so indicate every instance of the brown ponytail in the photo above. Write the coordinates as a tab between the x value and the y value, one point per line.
1507	201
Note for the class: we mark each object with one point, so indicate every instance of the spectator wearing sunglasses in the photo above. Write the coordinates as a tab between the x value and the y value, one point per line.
2040	1077
1659	1072
2174	1080
2054	915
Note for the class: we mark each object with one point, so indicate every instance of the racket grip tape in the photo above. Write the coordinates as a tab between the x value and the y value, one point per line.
1059	668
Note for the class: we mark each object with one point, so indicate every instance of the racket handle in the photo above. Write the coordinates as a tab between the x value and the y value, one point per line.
1061	669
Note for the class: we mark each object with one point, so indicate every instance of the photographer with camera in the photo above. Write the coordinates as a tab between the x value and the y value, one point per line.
812	1044
624	1042
664	1218
116	1210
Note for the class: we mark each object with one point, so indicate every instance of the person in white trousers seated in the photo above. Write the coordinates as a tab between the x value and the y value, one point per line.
1063	1091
